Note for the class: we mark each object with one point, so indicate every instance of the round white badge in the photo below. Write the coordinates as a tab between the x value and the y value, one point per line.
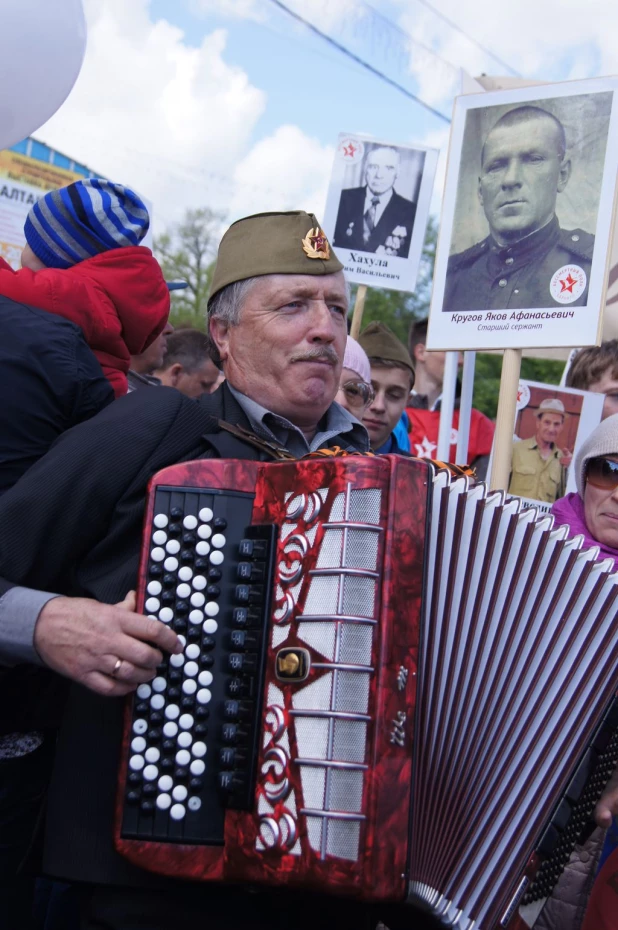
523	395
567	284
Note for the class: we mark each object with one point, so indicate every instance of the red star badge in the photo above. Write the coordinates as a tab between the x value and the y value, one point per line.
318	242
349	150
566	284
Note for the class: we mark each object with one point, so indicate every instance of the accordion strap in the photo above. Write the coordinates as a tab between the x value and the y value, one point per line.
271	449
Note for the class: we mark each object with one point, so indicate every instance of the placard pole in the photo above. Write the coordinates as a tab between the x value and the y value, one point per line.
357	315
505	420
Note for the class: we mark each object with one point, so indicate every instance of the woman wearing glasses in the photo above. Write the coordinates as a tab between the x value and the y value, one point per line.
592	513
355	392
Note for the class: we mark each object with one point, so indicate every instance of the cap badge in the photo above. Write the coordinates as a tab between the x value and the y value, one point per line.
315	244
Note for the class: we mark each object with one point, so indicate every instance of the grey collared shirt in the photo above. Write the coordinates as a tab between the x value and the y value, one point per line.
335	422
20	607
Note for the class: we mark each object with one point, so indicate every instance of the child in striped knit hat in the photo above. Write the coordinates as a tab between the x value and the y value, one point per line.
83	261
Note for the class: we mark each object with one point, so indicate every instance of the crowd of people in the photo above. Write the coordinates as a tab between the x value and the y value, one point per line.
98	393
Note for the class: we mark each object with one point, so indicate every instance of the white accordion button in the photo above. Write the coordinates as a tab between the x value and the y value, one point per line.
199	749
163	802
183	590
165	783
210	626
157	554
184	739
191	669
140	726
197	767
177	812
159	537
154	587
199	582
204	532
205	678
218	540
171	712
196	616
173	547
206	514
186	721
183	757
160	521
138	744
204	696
189	522
182	639
216	557
151	772
185	573
152	605
177	660
197	599
170	729
136	763
194	803
179	793
159	683
202	548
170	564
189	686
211	609
144	691
157	702
166	614
192	652
152	754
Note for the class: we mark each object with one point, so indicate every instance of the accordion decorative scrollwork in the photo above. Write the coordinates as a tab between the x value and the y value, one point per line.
279	828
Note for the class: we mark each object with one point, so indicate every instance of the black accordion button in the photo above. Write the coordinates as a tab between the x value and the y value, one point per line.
181	772
174	529
189	539
175	675
174	692
168	745
155	571
149	789
133	797
147	807
200	564
156	717
169	580
202	711
187	701
176	513
168	597
141	708
200	729
196	784
213	591
182	607
208	643
167	763
219	523
134	778
186	555
215	574
154	735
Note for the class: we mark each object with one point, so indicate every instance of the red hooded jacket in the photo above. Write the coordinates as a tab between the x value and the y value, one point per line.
119	299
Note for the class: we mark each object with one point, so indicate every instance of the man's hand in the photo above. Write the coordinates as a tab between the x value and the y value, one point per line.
608	803
83	640
566	457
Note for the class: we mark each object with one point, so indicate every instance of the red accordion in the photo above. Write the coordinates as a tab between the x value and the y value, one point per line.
389	681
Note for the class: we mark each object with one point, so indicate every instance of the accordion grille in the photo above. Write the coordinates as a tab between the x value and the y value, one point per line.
330	714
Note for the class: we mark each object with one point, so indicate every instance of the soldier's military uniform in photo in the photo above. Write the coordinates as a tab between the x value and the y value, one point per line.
527	261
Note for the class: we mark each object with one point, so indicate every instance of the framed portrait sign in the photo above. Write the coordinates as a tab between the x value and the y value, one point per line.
527	218
377	209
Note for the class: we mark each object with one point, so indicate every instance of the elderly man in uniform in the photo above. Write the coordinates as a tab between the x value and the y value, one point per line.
70	536
538	466
527	261
375	218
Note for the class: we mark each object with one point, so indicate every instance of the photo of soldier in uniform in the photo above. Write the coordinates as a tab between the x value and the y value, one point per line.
374	217
529	185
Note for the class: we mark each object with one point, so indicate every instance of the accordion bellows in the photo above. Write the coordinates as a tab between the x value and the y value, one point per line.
390	679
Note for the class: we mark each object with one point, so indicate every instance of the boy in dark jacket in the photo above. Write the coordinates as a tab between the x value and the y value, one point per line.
83	262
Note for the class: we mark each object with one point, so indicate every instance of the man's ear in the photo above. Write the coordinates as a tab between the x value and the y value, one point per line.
565	174
173	373
480	192
219	333
420	352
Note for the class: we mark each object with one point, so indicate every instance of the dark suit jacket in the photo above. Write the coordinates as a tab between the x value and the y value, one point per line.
73	525
349	226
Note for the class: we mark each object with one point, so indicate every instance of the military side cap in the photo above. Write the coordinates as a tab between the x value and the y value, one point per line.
273	243
379	341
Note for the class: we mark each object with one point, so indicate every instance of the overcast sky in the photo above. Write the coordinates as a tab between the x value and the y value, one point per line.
232	104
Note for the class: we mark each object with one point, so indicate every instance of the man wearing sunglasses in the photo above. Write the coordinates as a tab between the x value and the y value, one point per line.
538	467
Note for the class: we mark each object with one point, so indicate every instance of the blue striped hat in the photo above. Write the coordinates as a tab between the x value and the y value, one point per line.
77	222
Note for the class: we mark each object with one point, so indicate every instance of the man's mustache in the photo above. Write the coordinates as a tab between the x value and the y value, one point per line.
325	354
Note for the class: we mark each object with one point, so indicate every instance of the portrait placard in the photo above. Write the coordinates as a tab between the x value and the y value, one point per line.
377	209
527	218
551	423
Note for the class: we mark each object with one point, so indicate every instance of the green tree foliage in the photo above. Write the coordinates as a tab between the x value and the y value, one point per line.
186	253
487	378
397	309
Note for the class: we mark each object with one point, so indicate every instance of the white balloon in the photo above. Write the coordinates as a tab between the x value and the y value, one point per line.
42	46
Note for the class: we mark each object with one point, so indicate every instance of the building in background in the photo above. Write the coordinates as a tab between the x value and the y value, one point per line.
27	171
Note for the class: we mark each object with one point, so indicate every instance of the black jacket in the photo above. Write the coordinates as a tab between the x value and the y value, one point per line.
49	382
73	525
349	225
